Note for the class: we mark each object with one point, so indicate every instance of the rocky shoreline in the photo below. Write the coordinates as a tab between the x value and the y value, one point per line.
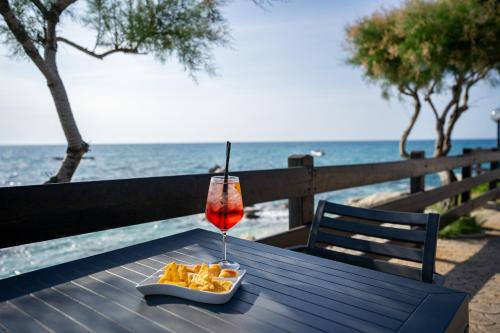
256	212
374	199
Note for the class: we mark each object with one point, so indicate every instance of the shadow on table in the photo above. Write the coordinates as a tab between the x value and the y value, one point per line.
470	276
236	305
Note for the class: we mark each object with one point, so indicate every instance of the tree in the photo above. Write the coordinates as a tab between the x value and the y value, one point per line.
186	29
426	48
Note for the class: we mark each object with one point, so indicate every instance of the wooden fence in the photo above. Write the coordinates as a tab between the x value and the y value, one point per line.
325	179
42	212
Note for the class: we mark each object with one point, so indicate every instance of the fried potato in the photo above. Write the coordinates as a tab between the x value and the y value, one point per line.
171	273
222	286
214	269
228	273
180	284
193	269
200	277
203	268
182	273
193	286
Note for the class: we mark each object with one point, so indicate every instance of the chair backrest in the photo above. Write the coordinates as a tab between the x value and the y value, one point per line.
417	244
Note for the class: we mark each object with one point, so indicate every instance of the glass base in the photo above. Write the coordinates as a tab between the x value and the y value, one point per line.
226	264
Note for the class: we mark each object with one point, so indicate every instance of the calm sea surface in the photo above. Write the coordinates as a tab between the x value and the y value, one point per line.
23	165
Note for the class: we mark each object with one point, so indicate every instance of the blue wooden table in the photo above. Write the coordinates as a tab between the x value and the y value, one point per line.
282	291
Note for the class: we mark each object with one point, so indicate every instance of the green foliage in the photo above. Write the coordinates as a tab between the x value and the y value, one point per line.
438	208
424	42
33	23
462	226
186	29
480	189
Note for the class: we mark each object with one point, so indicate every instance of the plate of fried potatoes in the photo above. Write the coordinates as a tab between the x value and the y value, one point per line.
201	282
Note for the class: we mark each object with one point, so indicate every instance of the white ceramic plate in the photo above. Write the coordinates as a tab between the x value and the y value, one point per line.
150	287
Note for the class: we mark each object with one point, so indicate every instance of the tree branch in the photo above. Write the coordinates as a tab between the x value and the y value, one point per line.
440	143
428	99
19	32
431	89
405	89
61	5
404	92
431	103
41	7
480	76
413	120
457	92
459	110
122	50
52	19
98	55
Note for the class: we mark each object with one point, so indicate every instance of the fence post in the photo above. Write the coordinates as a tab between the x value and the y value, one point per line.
301	209
417	184
466	173
494	165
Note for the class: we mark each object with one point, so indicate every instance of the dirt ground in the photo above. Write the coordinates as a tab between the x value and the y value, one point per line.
473	265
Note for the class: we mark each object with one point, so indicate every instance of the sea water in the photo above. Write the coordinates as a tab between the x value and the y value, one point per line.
24	165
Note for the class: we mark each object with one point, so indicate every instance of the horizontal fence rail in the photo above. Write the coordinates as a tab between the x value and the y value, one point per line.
347	176
42	212
329	178
421	200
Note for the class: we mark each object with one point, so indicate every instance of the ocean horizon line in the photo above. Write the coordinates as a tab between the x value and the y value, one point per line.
237	142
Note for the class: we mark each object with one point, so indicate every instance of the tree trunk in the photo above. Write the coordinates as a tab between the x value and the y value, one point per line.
76	146
48	67
441	149
407	131
439	143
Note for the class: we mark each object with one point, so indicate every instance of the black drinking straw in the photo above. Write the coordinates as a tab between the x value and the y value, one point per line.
226	170
225	199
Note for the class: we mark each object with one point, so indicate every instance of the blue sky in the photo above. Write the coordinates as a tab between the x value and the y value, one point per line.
283	79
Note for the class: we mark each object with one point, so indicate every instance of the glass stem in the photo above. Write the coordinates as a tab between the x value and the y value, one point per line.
224	245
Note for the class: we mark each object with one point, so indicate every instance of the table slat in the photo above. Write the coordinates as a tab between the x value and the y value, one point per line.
47	315
436	313
14	319
81	313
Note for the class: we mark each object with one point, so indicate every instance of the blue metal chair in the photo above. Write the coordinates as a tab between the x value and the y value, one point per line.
334	224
